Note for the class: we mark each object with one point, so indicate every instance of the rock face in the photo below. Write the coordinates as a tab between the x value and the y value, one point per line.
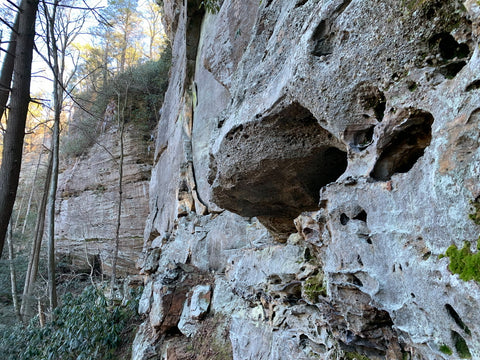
314	161
87	203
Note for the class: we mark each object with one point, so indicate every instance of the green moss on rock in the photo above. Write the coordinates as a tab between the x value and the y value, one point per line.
446	349
464	262
314	287
475	215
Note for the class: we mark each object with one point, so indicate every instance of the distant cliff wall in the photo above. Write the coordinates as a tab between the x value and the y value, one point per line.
87	202
313	163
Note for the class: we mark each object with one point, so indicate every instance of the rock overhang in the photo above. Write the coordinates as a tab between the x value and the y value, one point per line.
274	166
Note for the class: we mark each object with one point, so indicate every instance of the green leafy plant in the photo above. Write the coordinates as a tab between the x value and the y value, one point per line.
84	327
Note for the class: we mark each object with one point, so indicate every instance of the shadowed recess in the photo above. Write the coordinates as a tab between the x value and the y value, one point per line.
274	167
405	145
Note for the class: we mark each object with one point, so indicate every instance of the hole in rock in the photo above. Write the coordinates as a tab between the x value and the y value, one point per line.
362	216
359	260
452	69
321	45
461	346
307	255
458	320
449	53
354	280
405	146
359	137
369	240
301	3
172	331
447	47
276	173
474	85
344	219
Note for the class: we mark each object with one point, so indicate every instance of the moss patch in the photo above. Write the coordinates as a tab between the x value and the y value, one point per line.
314	287
464	262
475	214
445	349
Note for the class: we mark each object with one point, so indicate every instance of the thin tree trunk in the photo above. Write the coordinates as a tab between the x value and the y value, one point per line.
30	197
13	275
41	314
32	268
17	116
52	193
121	125
19	212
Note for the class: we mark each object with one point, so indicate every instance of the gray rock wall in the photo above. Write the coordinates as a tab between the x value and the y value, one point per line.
314	160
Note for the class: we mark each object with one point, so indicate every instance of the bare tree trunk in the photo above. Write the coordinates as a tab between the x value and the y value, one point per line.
121	126
41	314
19	100
13	275
30	197
7	68
52	193
32	268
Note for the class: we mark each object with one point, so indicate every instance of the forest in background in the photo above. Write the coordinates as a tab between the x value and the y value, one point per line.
95	65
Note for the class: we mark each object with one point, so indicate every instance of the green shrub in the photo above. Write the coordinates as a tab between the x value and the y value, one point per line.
84	327
138	91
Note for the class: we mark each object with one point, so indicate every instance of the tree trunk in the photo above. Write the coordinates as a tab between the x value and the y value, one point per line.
32	268
7	68
13	275
52	192
19	100
32	190
121	126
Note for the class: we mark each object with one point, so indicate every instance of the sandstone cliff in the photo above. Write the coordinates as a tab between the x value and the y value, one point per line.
313	162
87	202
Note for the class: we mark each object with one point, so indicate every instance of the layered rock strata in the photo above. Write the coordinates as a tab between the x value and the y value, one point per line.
87	203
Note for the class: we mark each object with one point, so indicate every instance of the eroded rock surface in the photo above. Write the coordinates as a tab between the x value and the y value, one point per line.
313	161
